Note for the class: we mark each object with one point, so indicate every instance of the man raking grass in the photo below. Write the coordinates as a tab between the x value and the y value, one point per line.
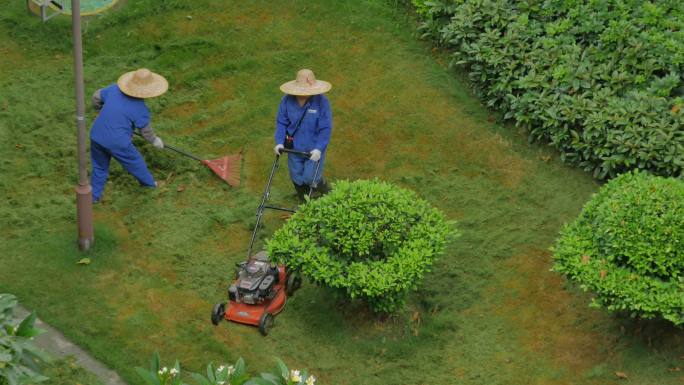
122	110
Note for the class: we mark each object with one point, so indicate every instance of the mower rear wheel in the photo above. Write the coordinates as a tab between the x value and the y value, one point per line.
217	313
266	323
293	283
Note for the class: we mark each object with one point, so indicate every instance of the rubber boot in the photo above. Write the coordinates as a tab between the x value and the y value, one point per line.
322	188
302	190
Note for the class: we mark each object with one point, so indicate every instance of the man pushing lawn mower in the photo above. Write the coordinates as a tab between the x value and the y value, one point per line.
122	110
261	288
304	124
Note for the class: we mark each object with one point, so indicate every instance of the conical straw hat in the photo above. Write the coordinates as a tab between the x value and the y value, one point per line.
305	85
142	83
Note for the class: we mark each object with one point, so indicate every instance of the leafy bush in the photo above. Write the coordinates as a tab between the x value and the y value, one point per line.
627	246
368	239
600	80
18	355
224	375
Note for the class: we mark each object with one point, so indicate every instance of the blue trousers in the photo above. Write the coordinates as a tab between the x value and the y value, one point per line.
302	169
128	156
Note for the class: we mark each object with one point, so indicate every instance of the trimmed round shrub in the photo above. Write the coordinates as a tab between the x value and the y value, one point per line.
627	246
366	239
600	80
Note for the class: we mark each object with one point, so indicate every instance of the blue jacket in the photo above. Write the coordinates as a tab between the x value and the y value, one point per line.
314	131
120	115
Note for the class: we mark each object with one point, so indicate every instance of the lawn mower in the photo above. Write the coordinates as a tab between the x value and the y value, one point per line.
260	288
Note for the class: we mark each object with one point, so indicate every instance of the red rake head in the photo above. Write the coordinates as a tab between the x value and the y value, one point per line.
227	168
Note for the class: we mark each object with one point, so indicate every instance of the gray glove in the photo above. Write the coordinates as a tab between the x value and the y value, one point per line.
97	101
148	133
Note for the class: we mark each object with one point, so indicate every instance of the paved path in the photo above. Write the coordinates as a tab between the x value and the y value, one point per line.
55	343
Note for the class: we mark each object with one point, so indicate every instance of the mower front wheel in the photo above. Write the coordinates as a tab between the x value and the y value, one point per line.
293	283
217	313
266	323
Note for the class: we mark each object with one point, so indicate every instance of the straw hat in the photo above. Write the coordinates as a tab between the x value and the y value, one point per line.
305	85
142	83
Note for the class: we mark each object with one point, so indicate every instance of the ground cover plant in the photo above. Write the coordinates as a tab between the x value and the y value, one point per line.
600	80
366	239
22	362
627	247
489	312
19	358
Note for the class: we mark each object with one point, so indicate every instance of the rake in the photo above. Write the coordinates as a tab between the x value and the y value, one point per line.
227	168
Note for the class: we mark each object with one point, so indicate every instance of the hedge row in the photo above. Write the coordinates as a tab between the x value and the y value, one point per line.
600	80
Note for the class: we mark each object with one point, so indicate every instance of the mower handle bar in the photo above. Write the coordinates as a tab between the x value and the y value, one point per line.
264	197
295	152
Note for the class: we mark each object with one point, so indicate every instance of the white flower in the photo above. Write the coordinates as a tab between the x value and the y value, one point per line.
311	380
173	371
15	330
295	376
221	382
163	370
229	369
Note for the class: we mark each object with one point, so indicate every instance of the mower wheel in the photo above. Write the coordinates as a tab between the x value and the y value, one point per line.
217	313
293	283
266	323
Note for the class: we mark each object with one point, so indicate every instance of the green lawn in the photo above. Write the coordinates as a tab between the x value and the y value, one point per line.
66	371
490	312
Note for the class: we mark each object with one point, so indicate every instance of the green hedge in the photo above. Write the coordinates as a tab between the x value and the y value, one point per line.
600	80
366	239
627	246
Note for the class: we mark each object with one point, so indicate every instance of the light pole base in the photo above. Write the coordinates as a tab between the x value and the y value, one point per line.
84	215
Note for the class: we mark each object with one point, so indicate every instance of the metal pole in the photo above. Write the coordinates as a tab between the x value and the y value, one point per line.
84	197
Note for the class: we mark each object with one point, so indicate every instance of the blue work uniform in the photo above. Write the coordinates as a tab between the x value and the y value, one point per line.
111	136
313	133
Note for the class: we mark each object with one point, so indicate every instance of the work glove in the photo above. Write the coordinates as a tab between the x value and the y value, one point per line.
315	155
158	143
278	148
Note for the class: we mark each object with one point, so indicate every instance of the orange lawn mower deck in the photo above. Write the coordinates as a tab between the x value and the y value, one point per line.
259	292
260	288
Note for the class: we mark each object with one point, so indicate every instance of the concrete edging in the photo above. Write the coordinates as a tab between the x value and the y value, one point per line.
54	342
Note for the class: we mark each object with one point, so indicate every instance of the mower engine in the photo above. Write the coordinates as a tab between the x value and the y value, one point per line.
255	281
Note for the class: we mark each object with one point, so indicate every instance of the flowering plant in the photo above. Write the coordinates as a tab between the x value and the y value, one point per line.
157	375
282	375
224	375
